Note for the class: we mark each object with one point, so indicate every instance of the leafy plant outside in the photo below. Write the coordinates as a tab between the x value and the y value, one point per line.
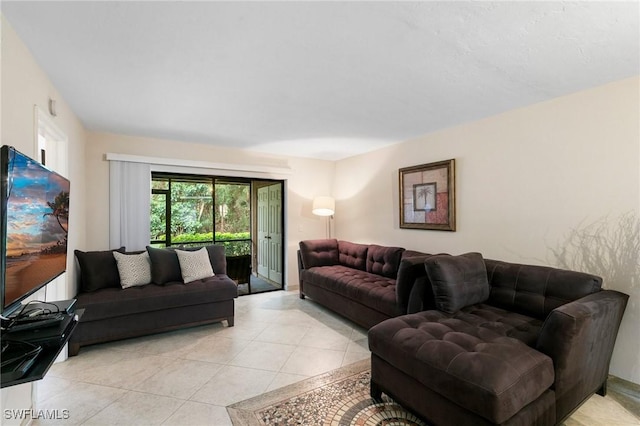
229	240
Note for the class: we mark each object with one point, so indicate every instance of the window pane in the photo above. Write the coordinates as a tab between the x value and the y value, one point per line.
158	217
191	212
160	183
233	211
236	248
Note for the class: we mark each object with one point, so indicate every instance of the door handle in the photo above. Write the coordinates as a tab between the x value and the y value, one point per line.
268	237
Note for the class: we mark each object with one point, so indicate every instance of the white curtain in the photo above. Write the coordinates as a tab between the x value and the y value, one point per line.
129	204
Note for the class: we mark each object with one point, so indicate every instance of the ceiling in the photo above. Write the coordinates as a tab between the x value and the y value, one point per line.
319	79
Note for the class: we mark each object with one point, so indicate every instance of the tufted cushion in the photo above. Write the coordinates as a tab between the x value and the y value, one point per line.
384	260
466	360
98	269
319	253
353	255
372	290
457	281
536	290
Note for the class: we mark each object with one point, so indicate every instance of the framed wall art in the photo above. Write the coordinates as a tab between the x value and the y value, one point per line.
427	196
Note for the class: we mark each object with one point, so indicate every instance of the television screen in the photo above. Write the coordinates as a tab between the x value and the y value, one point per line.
35	203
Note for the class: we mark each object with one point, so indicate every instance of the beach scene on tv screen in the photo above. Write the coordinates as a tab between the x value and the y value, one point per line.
37	227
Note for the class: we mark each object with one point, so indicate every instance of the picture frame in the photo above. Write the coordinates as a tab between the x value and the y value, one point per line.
427	196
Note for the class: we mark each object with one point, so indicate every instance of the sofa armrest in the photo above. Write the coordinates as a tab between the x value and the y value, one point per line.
411	273
579	337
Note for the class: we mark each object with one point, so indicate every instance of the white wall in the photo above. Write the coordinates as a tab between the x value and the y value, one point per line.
24	85
525	180
307	179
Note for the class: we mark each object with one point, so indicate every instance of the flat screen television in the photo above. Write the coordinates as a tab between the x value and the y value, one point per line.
35	224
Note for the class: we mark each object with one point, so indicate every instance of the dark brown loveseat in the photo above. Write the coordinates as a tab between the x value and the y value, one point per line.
497	343
167	303
365	283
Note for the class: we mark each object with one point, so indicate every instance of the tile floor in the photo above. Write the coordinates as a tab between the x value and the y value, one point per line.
188	377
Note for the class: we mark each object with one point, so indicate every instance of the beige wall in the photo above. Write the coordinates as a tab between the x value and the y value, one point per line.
306	179
525	180
24	85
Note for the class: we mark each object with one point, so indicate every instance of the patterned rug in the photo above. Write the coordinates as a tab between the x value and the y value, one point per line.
337	398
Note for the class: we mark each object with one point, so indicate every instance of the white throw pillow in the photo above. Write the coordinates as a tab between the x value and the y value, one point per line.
134	269
194	265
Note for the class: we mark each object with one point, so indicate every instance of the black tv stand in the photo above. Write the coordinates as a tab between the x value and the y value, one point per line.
40	364
17	359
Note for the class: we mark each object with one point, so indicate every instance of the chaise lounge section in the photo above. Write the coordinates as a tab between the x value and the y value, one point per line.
497	343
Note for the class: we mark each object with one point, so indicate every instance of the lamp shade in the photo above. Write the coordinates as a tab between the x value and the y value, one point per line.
323	206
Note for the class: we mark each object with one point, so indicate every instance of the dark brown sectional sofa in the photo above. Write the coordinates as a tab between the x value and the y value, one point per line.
366	283
463	340
497	343
167	303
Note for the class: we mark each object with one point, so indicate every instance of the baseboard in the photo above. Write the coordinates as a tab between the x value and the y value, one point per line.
626	393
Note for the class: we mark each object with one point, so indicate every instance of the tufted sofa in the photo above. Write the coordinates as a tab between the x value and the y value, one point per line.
365	283
497	343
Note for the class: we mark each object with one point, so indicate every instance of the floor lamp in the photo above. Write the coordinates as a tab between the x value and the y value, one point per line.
324	206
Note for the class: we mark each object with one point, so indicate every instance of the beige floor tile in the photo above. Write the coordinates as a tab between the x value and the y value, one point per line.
312	361
600	411
52	386
257	315
360	345
83	401
263	356
351	357
137	408
284	379
180	379
278	339
196	414
125	373
87	359
173	343
358	333
326	338
285	334
233	384
246	330
216	349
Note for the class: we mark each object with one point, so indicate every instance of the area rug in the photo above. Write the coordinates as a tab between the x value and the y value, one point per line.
337	398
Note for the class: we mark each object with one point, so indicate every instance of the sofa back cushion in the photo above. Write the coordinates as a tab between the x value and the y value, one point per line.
319	253
353	255
218	259
457	281
98	269
536	290
384	261
165	267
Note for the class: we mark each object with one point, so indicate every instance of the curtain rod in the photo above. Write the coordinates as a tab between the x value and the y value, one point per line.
110	156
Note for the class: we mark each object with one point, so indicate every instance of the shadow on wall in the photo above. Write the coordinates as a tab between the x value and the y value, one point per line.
607	247
610	248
